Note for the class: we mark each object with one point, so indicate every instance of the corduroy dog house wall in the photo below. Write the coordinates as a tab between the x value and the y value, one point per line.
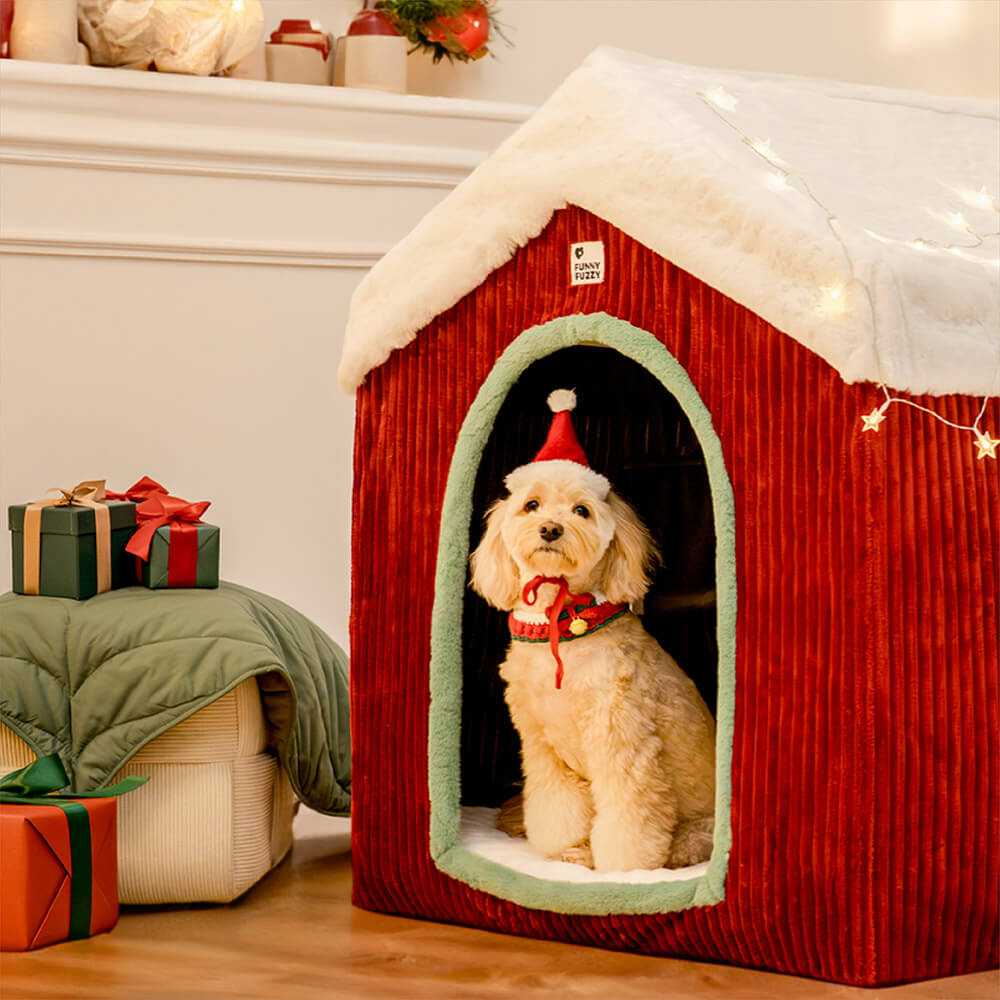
786	355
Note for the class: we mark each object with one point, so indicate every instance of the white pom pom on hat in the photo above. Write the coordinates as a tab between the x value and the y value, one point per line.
562	448
561	400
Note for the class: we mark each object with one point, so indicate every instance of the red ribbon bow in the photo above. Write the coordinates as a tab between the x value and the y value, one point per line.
530	594
183	517
137	492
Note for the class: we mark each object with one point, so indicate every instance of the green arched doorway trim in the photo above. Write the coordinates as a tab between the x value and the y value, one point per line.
446	640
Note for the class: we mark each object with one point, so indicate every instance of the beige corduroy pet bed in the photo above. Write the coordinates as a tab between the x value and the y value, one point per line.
216	814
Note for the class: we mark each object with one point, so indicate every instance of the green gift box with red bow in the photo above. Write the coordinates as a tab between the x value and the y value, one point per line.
172	545
58	857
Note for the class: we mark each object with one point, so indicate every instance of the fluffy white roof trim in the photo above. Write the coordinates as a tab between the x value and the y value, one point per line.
629	138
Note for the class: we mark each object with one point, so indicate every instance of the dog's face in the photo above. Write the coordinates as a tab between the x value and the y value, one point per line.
555	526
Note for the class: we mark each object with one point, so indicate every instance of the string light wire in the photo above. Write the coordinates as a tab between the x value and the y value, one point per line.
890	399
833	301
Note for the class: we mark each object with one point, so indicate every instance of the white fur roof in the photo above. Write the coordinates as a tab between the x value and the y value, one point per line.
657	149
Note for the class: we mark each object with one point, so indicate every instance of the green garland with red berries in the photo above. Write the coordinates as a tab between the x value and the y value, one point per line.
447	29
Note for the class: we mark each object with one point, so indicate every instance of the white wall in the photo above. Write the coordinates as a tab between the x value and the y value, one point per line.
939	46
176	261
212	378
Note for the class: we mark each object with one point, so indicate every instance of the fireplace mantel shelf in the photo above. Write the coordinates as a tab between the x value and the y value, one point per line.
111	163
84	115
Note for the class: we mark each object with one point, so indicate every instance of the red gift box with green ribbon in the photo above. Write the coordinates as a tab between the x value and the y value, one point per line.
58	857
172	545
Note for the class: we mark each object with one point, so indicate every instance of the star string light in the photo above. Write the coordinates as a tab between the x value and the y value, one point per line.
721	98
958	220
986	445
873	419
833	298
980	199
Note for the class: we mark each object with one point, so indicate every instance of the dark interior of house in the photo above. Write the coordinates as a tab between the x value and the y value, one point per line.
634	432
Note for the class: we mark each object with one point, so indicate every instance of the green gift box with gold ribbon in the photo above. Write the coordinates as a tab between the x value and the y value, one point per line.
71	544
58	857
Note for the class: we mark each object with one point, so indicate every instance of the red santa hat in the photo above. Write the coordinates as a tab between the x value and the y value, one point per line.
562	451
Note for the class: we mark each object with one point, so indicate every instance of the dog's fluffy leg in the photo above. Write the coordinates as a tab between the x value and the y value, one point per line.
635	811
692	843
558	809
558	806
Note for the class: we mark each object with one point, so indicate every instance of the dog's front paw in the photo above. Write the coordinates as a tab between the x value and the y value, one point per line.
581	854
557	812
621	848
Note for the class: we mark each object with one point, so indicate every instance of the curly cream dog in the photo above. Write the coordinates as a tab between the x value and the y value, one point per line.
618	747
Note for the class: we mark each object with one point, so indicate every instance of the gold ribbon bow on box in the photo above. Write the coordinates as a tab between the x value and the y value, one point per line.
85	494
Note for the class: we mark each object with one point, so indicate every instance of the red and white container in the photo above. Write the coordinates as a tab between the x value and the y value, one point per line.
299	52
372	55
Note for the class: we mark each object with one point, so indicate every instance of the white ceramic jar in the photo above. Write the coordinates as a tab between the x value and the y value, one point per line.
300	52
374	62
44	31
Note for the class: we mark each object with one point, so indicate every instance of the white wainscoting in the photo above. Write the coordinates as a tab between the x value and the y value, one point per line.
176	259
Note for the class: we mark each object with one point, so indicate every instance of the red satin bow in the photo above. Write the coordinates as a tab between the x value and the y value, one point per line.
530	594
161	509
138	492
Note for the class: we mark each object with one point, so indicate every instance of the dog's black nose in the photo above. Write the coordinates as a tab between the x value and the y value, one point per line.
550	531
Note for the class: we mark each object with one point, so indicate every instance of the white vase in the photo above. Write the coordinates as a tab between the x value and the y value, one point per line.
44	30
374	62
298	64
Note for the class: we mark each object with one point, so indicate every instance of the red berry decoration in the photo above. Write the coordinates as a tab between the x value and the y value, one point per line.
463	34
448	29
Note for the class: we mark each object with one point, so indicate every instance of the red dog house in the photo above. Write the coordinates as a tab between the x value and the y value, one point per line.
786	356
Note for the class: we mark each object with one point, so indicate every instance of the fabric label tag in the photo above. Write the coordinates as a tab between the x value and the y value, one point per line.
586	263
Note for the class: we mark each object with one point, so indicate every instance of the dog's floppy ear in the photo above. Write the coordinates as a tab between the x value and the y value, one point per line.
626	569
494	572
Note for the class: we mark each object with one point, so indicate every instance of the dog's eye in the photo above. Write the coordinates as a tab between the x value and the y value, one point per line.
531	505
581	511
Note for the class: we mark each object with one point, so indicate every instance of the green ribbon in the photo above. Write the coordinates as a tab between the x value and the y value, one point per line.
40	784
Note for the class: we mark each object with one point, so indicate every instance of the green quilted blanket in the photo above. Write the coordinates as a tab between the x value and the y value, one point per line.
94	681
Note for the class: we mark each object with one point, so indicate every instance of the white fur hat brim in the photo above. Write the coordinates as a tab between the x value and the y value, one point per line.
533	471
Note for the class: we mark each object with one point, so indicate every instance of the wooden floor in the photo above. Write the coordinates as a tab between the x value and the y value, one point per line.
296	936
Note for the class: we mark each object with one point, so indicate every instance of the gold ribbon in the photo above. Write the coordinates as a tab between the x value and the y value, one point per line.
85	494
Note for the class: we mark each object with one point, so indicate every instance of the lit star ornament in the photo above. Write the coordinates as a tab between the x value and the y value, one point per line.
873	419
986	445
720	97
833	301
984	199
762	147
